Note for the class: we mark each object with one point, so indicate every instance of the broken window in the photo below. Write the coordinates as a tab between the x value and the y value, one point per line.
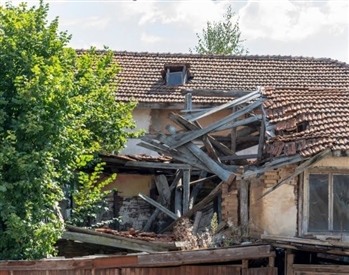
328	202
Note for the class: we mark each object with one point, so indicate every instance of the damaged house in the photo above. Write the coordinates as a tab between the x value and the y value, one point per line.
260	140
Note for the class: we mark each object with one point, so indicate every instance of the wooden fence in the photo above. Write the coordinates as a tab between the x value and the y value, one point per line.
223	261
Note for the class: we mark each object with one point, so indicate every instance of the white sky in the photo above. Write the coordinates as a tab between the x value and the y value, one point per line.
281	27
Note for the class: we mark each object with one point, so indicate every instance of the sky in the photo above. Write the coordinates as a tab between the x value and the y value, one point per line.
282	27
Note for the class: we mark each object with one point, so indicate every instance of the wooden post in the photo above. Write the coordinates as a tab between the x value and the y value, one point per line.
261	140
289	262
178	199
188	102
186	190
243	197
233	134
197	222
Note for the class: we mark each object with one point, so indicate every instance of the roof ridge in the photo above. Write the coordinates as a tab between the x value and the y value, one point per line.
217	56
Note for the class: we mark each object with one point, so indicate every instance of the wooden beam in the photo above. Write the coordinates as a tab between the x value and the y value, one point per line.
243	198
206	256
237	157
176	180
176	154
158	205
300	169
210	197
261	141
198	133
163	189
214	167
151	220
236	102
238	123
188	102
178	205
197	220
197	188
186	190
215	93
274	164
157	165
204	179
181	121
117	241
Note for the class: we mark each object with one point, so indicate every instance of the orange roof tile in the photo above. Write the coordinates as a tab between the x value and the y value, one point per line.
141	74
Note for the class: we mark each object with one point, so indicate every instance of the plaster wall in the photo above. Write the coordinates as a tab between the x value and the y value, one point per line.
130	185
333	162
274	214
143	119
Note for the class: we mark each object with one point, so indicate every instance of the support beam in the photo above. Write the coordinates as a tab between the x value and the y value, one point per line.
198	133
186	190
243	197
216	93
158	205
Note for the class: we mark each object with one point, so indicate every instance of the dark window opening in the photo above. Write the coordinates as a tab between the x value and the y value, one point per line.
176	74
328	202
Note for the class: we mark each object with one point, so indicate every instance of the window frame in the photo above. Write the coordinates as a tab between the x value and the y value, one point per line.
305	211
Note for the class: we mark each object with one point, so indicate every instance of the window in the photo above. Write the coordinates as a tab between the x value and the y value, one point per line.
328	202
176	74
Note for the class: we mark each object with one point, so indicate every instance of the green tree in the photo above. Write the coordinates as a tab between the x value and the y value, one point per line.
56	105
221	37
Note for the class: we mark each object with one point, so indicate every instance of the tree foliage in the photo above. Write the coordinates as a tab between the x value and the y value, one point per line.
55	106
221	37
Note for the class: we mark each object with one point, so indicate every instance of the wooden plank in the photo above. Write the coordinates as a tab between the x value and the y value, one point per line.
176	180
261	141
112	242
178	199
151	220
236	102
317	269
198	133
277	163
163	188
188	102
289	262
237	157
208	162
176	154
205	256
233	136
238	123
158	205
204	179
157	165
215	168
197	188
300	169
197	220
48	264
210	197
243	197
186	190
191	126
216	93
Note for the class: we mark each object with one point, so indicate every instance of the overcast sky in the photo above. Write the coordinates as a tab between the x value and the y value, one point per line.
280	27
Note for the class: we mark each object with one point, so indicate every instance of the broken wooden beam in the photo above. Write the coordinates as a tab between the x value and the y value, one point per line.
216	93
89	236
236	102
157	165
159	206
198	133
